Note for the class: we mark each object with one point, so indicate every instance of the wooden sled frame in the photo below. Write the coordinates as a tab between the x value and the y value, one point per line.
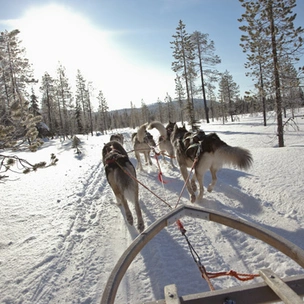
283	245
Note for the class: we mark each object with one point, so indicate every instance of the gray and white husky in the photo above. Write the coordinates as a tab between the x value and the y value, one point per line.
210	152
143	142
119	171
164	142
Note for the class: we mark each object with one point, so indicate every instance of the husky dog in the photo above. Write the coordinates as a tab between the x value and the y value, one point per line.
164	142
118	137
119	169
143	141
210	152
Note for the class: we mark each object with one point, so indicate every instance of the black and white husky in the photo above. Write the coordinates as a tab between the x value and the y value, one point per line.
164	142
210	152
119	171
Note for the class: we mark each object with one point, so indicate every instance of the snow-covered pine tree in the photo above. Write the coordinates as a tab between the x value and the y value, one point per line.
48	104
17	124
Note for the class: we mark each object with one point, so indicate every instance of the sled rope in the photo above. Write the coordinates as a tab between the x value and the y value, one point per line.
185	183
211	275
232	273
160	174
134	178
205	275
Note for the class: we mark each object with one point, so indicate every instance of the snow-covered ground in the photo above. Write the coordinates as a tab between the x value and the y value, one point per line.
62	232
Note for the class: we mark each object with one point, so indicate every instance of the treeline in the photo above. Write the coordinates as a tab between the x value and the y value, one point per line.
273	47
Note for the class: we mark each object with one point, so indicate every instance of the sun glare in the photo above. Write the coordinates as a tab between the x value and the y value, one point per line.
55	33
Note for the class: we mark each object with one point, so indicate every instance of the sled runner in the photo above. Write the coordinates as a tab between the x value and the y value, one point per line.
273	289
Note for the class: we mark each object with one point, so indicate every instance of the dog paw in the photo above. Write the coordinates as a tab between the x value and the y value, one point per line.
130	219
200	197
141	226
193	185
210	188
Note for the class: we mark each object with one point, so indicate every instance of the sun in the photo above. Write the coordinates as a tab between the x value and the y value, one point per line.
57	34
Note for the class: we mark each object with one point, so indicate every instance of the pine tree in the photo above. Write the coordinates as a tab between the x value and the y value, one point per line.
78	117
34	107
145	112
16	74
228	90
83	102
279	35
160	110
206	60
211	96
180	96
103	111
62	94
170	108
290	87
89	106
19	112
48	102
183	53
258	59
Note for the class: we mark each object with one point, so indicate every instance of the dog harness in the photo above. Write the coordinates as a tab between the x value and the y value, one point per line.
193	144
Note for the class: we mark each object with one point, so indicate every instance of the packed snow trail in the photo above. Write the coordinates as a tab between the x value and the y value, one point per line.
62	232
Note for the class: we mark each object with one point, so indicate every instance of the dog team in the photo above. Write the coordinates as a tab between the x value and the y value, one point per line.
192	149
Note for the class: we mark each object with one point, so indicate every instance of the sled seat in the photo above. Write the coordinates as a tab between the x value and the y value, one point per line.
272	290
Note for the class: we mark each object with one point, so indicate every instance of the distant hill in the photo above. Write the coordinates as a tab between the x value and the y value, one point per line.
198	103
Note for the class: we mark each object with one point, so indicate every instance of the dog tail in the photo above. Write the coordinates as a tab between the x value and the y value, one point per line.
159	126
141	132
235	156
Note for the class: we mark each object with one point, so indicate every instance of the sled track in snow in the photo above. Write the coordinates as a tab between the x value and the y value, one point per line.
73	262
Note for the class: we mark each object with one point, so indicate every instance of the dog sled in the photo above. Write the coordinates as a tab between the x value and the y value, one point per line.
289	290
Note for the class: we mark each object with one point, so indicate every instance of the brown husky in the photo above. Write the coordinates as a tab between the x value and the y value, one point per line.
210	152
143	142
164	142
119	169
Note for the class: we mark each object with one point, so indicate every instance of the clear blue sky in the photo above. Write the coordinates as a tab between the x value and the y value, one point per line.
123	46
